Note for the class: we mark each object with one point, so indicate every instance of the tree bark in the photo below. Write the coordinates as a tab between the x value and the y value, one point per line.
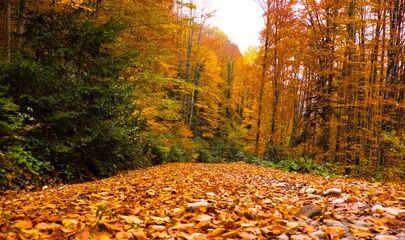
8	26
262	83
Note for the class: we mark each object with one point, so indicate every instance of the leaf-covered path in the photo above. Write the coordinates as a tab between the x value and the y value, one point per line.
199	201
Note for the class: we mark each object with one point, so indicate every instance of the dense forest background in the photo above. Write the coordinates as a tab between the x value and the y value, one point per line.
92	87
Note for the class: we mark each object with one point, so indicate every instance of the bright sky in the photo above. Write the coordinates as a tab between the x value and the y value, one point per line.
241	20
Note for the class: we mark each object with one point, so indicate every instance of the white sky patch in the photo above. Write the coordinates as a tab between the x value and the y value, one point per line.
241	20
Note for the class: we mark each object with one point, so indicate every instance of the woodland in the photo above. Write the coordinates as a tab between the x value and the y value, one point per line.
89	88
138	119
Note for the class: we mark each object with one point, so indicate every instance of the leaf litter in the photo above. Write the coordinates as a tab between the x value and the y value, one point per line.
203	201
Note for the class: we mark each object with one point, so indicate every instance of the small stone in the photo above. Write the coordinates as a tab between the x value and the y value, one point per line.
210	194
360	205
309	211
377	208
281	184
282	237
393	211
334	223
361	223
311	190
194	206
332	191
348	238
339	201
299	237
318	235
401	235
386	237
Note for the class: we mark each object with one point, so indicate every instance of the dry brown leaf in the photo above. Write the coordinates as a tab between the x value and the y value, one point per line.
361	232
245	202
140	235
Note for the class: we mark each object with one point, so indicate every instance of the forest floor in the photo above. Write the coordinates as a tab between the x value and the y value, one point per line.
199	201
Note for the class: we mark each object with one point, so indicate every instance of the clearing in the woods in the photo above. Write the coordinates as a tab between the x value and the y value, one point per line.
199	201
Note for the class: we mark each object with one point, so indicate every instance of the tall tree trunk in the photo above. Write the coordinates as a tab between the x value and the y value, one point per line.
197	73
262	83
276	78
188	62
8	26
276	90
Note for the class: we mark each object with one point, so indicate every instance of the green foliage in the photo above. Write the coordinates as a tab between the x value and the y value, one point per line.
221	149
304	165
378	176
24	159
273	153
16	162
206	156
296	164
178	154
67	81
10	122
395	144
165	154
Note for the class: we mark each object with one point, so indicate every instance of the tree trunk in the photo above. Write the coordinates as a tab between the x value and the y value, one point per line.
8	26
262	83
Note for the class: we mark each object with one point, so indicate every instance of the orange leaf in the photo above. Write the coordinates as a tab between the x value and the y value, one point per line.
140	235
216	232
23	224
361	232
334	232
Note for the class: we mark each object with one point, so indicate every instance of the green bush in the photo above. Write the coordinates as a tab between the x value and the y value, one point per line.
17	164
164	154
178	154
73	95
273	153
158	154
205	156
304	165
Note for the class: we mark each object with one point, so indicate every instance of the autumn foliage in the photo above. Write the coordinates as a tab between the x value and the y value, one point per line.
92	87
206	201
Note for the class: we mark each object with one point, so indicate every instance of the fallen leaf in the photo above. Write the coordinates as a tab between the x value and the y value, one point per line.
216	232
23	224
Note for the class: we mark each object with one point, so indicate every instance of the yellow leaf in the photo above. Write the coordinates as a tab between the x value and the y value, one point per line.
47	226
216	232
160	220
361	232
132	220
274	229
158	228
183	226
230	234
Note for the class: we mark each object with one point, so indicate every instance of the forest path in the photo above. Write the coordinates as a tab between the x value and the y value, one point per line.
199	201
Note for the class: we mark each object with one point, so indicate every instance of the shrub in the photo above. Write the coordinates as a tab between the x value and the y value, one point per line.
80	106
206	156
273	153
17	164
304	165
178	154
